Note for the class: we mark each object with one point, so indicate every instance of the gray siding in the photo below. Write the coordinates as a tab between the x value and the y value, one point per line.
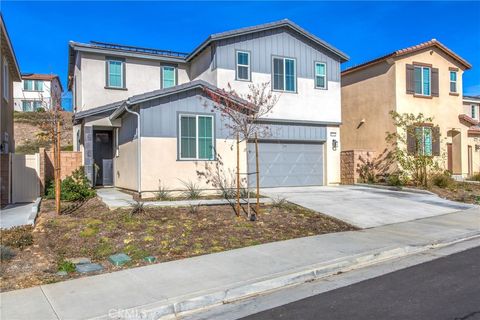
128	130
294	132
279	42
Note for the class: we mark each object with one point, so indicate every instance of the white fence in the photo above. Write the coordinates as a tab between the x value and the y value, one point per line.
25	177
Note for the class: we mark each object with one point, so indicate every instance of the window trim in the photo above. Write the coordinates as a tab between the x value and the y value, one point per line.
175	74
243	65
421	148
422	66
284	74
179	137
122	70
450	81
315	75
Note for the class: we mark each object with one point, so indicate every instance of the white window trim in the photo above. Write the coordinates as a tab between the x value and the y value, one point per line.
174	75
285	74
319	75
421	81
456	75
179	137
122	81
237	64
6	80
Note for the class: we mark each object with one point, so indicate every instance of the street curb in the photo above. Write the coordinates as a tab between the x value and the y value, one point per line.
33	215
180	306
393	188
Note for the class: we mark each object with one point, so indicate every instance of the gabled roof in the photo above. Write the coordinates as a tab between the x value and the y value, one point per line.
44	77
7	45
97	111
468	119
409	50
285	23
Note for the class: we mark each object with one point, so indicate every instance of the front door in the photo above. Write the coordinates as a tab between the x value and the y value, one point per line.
103	157
470	161
449	157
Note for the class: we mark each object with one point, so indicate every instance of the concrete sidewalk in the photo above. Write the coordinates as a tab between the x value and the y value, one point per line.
168	289
19	214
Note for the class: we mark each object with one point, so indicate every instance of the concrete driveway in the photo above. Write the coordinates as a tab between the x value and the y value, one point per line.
367	207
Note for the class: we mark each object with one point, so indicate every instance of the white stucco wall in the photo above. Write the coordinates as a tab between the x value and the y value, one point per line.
19	95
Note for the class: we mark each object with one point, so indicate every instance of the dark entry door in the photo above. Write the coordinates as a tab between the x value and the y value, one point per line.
449	157
103	156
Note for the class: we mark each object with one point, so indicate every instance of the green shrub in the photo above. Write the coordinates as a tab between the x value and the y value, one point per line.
475	177
73	188
18	237
442	180
395	179
66	266
192	191
6	253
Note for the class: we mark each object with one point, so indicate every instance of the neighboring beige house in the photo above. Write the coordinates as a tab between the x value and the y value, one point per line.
426	78
37	91
140	116
9	72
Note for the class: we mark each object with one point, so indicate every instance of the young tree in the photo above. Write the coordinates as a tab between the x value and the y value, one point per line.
416	146
243	112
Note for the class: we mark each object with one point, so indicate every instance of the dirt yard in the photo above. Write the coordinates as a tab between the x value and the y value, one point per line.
459	191
91	230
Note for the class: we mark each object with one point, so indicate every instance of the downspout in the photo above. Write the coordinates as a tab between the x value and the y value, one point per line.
139	149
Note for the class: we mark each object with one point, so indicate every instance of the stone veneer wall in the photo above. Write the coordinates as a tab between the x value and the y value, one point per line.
350	164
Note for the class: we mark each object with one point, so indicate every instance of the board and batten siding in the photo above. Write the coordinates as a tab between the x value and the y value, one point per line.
279	42
127	132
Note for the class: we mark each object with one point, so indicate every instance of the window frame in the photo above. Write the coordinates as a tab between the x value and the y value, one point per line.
248	66
175	75
455	82
325	87
179	136
422	67
122	73
6	80
284	74
30	103
421	147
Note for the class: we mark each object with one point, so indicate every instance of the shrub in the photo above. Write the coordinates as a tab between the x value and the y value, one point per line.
396	180
442	180
18	237
475	177
73	188
137	207
163	194
66	266
6	253
192	191
279	203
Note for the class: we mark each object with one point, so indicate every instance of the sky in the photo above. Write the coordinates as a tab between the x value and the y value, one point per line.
40	31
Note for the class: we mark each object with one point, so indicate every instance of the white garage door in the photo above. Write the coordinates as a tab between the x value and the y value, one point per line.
287	164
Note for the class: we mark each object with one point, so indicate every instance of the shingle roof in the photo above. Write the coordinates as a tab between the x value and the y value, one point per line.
98	110
412	49
468	119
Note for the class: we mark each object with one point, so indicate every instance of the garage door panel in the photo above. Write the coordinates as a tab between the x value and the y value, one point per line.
287	164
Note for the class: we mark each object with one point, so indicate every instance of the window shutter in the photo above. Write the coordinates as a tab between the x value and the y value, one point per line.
436	141
410	89
435	91
411	141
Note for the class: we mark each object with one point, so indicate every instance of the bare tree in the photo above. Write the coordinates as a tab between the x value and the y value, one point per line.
243	113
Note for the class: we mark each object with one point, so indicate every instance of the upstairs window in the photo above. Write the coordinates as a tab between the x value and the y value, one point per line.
243	65
168	77
6	80
116	73
453	81
284	74
474	112
196	137
33	85
422	80
320	75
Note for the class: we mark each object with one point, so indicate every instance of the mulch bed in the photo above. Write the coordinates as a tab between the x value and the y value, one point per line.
91	230
459	191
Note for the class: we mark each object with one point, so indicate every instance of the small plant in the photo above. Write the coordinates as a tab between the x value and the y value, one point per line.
279	203
18	237
396	180
475	177
442	180
6	253
137	207
73	188
163	194
192	191
193	209
66	266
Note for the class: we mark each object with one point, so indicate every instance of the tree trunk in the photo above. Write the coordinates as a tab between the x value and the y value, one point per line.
257	169
238	176
57	168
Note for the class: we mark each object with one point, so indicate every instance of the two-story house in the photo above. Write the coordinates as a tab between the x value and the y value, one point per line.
426	78
141	115
9	73
37	91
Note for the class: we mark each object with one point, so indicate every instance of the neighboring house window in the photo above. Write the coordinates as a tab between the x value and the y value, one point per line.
38	85
453	81
424	140
474	113
243	65
27	106
115	73
33	85
168	77
320	75
28	85
6	80
284	74
196	137
422	80
37	105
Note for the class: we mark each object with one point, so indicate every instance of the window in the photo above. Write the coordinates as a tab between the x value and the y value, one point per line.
320	75
115	74
474	113
422	80
453	81
424	140
284	74
196	137
243	65
37	105
33	85
168	77
27	105
6	80
38	85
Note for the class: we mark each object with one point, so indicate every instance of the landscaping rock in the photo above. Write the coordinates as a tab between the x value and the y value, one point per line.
77	261
119	259
62	273
150	259
88	267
